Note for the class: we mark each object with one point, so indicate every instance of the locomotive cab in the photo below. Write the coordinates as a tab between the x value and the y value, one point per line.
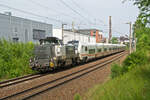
45	54
51	41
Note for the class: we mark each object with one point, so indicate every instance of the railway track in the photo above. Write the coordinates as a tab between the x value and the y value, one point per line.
39	89
19	80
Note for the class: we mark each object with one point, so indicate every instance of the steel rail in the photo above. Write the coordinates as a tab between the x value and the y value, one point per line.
20	80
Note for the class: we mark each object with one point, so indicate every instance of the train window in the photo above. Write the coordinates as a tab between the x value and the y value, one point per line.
99	50
91	51
109	49
82	47
105	49
85	48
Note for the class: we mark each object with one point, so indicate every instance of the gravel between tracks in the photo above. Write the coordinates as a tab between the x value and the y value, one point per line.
64	92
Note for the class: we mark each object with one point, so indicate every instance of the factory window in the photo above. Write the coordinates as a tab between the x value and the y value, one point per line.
15	39
38	34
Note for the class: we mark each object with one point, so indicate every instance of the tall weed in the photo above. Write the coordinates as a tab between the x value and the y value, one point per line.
135	59
14	59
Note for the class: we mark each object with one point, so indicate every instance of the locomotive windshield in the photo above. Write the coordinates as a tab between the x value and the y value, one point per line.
75	43
51	40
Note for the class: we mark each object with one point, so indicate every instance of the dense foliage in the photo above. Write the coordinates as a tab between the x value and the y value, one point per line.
144	7
134	60
131	79
134	85
114	40
14	59
142	32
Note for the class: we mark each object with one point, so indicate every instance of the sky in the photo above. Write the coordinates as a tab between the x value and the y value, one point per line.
84	13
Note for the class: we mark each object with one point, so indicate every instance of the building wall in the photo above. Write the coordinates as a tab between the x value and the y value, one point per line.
93	32
14	27
4	27
69	36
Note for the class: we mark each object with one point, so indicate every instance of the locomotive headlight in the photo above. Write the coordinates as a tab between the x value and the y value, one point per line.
54	58
51	64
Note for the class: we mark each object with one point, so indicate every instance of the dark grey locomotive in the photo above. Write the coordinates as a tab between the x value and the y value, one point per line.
52	53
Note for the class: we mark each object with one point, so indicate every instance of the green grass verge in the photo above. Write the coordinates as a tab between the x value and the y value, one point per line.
133	85
14	59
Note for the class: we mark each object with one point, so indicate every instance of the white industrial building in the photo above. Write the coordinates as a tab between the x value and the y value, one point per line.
22	30
69	36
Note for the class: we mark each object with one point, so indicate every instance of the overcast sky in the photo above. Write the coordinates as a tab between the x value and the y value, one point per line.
84	13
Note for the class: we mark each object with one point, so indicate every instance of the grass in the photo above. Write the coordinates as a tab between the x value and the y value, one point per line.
77	97
130	81
14	59
133	85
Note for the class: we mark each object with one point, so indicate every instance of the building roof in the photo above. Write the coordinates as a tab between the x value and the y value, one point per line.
83	31
24	19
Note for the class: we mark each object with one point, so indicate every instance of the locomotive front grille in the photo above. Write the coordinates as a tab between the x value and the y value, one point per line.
42	52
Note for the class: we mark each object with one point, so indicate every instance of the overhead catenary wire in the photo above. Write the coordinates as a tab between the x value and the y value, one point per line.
89	14
46	7
30	13
68	6
101	21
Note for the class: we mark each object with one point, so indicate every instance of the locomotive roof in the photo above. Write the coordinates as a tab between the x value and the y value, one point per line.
50	38
104	44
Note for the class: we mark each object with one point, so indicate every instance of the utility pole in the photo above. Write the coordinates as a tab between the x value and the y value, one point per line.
79	34
135	42
110	29
73	30
63	32
130	37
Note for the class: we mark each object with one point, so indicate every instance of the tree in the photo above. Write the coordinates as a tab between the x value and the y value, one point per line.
114	40
141	26
144	7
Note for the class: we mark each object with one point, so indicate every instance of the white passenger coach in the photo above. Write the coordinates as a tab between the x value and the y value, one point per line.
96	50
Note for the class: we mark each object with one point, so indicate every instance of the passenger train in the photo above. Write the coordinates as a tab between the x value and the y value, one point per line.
52	53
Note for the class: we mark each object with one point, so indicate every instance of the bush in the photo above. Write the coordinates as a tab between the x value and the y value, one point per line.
116	70
14	59
135	59
77	97
134	85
